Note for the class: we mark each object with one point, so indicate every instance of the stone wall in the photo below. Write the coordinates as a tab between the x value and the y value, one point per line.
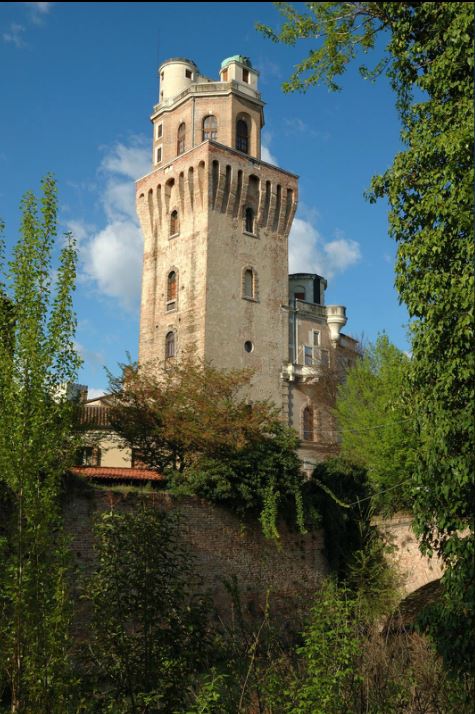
415	570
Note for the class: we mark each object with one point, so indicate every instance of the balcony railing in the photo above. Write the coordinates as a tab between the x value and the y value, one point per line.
311	308
308	369
209	87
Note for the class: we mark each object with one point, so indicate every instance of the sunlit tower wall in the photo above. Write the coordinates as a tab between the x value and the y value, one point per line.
215	220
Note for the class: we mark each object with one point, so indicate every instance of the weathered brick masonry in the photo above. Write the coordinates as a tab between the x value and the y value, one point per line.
223	547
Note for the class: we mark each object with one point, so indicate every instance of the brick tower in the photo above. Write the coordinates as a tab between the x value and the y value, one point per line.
215	220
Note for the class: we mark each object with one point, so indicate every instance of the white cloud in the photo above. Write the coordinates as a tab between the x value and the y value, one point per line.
95	392
41	7
79	229
118	199
94	357
341	254
38	11
113	260
131	161
295	126
112	256
14	35
266	154
268	69
309	253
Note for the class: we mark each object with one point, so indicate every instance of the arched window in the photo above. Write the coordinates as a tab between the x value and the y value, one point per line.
180	142
249	220
242	136
170	349
210	128
308	434
171	291
174	223
248	284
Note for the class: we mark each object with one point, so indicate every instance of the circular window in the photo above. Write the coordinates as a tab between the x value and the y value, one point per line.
248	346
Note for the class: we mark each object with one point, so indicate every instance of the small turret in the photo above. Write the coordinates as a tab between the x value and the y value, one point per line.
336	319
308	287
239	69
176	75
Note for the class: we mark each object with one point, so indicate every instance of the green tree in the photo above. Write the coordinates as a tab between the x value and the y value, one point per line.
330	649
37	361
149	632
376	424
429	61
193	423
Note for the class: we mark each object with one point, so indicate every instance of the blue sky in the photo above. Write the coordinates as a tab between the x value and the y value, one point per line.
78	82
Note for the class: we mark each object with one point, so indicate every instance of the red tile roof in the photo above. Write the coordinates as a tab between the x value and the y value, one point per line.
91	415
111	473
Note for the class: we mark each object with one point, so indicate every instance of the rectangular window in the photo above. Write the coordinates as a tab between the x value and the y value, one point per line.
188	74
245	76
316	338
158	155
91	456
225	75
159	130
308	356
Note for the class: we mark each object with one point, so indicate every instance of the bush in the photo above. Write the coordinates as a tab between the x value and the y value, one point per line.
149	628
263	479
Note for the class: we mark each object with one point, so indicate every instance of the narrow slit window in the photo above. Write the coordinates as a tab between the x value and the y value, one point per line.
181	135
249	220
171	291
174	223
248	284
170	348
308	424
242	136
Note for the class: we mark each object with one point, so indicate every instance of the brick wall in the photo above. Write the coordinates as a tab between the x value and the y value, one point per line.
222	547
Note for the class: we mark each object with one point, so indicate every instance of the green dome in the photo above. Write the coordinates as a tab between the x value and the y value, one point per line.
237	58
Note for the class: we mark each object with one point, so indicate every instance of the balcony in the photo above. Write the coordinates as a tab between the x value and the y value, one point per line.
311	309
209	88
312	367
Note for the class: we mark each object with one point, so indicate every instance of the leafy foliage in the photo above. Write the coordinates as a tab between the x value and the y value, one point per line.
429	61
36	362
330	648
173	412
377	429
149	631
344	525
193	422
